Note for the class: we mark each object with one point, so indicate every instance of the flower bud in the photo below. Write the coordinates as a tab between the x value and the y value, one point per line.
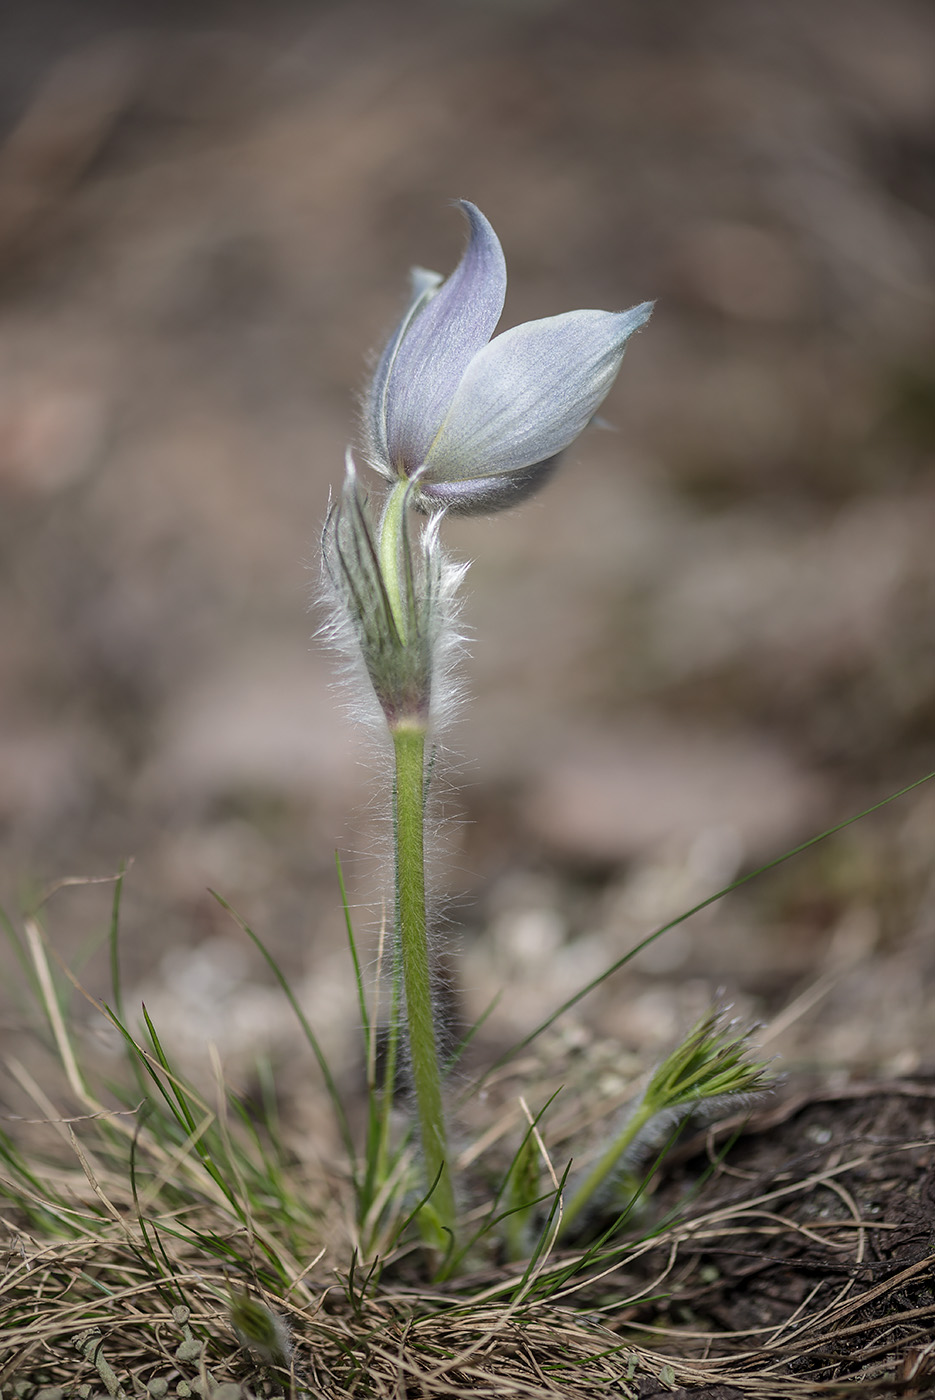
392	591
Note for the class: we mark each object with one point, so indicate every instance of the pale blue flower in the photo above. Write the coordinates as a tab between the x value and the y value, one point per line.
478	423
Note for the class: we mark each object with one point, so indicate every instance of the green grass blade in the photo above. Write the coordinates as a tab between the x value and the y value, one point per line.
160	1262
689	913
469	1035
374	1152
310	1036
384	1151
598	1254
180	1105
352	944
114	942
492	1219
546	1236
21	953
422	1201
176	1098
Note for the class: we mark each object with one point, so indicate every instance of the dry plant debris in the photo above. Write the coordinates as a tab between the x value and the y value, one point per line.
804	1266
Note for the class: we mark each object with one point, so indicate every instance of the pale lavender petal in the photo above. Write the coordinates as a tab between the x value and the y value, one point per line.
440	343
483	495
425	285
530	392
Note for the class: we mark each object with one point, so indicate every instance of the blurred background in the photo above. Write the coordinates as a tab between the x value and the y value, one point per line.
709	638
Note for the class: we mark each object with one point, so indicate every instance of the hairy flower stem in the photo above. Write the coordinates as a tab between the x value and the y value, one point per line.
437	1217
409	744
604	1167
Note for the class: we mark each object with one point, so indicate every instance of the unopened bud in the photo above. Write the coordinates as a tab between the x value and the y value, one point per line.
393	590
260	1329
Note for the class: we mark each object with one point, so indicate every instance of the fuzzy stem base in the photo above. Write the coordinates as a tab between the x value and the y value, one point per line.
437	1218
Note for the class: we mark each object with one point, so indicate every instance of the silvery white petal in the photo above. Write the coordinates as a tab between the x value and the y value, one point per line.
530	392
424	285
439	343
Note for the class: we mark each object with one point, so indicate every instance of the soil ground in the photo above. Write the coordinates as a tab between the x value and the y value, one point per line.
824	1268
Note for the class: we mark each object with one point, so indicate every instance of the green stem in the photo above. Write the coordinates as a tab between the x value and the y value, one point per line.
605	1165
409	744
437	1216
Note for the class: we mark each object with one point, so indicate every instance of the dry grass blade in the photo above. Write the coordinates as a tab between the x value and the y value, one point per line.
430	1344
790	1275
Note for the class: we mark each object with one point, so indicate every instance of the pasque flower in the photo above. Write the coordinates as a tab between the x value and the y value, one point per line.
476	423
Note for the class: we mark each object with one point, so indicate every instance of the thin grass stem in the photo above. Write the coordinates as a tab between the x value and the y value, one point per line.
382	1155
114	942
333	1093
595	982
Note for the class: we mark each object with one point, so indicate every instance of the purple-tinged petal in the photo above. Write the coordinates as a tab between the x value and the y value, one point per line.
439	344
425	285
529	393
484	494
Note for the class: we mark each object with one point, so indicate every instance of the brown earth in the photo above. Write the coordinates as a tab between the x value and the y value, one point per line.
809	1249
